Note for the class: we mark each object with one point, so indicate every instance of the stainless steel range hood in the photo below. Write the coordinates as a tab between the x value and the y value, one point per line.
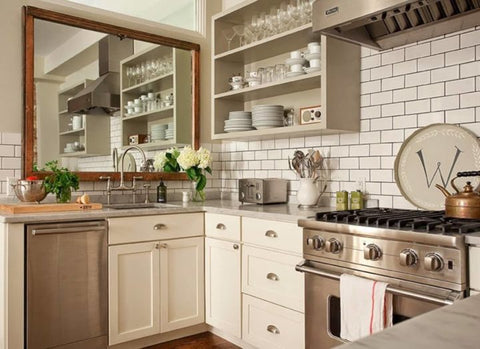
384	24
103	94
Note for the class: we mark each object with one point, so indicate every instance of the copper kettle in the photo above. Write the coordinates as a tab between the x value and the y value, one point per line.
464	204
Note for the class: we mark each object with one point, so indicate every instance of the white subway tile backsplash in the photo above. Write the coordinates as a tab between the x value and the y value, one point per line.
406	94
470	100
370	162
298	142
381	176
381	98
385	123
370	87
445	74
370	112
460	56
470	69
405	68
445	103
370	62
369	137
330	140
393	109
381	72
348	163
405	121
11	138
430	118
392	136
445	45
460	116
471	38
282	143
393	83
7	150
431	62
359	150
433	90
419	106
380	149
417	51
394	56
460	86
417	79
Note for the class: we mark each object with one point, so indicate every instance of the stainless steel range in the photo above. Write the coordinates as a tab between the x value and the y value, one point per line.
420	254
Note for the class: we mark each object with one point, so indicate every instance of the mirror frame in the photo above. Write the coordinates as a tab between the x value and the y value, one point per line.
30	14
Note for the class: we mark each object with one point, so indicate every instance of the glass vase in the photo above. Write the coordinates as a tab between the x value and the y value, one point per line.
197	195
64	196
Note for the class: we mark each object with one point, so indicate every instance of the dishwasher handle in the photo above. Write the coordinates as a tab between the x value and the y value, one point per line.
66	230
302	267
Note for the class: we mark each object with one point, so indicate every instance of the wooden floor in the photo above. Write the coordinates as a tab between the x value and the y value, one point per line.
204	340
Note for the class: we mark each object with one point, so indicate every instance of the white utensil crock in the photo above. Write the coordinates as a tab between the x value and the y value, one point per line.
307	194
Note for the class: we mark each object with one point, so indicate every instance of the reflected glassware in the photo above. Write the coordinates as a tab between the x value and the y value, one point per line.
280	72
138	74
240	32
228	34
129	72
261	74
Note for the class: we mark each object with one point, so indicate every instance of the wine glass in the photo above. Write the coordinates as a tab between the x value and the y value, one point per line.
229	34
240	32
138	74
129	72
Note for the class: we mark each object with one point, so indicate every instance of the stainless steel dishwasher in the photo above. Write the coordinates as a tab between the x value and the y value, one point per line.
66	283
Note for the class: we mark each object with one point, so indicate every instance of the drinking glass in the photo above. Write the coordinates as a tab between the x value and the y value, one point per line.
280	72
138	74
143	72
261	74
129	72
283	17
229	34
240	32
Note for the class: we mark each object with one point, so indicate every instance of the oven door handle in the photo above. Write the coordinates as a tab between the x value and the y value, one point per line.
301	267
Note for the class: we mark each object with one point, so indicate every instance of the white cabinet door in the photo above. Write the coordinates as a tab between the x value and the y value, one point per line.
181	283
134	304
475	267
223	293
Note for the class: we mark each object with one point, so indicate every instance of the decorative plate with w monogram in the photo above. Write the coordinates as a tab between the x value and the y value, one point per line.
433	155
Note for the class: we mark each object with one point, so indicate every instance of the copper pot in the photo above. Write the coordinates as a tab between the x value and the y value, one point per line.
465	204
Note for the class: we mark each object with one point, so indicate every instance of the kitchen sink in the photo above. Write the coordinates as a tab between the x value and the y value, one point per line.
131	206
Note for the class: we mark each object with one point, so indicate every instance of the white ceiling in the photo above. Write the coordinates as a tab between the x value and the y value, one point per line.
49	35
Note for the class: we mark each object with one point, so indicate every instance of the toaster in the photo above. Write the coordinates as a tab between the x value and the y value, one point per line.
262	191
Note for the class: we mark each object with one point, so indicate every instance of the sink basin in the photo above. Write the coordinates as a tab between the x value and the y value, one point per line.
130	206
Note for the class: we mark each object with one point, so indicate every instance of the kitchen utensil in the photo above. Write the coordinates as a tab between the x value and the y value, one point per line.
30	191
465	204
262	191
433	154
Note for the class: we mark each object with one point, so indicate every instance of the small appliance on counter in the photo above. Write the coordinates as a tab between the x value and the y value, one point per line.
262	191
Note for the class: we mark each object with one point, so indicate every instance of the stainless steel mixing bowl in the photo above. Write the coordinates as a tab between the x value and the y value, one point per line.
30	191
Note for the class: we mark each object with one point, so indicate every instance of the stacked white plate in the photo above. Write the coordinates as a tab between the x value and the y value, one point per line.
267	116
238	121
169	131
159	132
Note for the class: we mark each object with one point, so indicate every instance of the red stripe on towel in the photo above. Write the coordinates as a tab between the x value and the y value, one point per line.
373	307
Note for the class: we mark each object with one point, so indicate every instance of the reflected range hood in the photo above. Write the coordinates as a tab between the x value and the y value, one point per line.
384	24
102	96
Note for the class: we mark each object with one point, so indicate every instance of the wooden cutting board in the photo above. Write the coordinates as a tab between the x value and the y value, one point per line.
39	208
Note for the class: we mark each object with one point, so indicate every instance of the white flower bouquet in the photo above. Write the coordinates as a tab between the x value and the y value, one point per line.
194	162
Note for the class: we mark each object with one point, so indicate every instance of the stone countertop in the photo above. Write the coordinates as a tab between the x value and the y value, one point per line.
473	239
453	326
280	212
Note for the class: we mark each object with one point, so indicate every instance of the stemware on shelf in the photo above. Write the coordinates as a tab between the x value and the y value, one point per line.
229	34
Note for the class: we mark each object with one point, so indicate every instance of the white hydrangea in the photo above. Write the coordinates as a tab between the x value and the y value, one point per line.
187	158
160	161
204	158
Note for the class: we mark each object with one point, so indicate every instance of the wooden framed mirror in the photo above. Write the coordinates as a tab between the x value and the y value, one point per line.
72	125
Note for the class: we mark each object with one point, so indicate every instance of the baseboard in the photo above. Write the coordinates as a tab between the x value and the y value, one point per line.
232	339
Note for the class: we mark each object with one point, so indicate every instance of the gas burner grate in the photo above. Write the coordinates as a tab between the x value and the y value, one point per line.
433	222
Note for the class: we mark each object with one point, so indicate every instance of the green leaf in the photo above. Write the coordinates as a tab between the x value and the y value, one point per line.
191	173
202	182
208	169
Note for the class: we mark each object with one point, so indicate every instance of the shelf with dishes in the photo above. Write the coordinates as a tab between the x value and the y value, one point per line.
149	102
72	132
295	68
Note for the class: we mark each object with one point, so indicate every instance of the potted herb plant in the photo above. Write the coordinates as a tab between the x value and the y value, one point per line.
60	182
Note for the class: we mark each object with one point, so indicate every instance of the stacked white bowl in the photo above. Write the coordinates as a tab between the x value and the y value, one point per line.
313	57
159	132
169	131
296	63
267	116
238	121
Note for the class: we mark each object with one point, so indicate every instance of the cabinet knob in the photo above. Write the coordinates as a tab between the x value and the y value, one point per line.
221	226
160	226
273	329
159	246
235	247
273	277
271	234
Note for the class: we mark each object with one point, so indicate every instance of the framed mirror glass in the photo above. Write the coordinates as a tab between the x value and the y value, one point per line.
93	91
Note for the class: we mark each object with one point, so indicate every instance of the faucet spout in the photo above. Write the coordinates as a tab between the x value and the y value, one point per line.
122	185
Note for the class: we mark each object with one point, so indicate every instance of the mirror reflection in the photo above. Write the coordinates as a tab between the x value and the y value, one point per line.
98	94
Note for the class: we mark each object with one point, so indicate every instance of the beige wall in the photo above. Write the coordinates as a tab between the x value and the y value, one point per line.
11	67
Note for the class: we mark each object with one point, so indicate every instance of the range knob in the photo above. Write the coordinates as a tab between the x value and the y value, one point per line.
333	246
258	196
408	258
372	252
433	262
316	242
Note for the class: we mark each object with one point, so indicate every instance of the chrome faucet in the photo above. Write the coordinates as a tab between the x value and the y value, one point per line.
122	185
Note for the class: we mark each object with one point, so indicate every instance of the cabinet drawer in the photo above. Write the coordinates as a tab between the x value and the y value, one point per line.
271	234
150	228
269	326
272	276
475	267
222	226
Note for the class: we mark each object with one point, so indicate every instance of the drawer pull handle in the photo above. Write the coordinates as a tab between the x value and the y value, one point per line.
273	277
235	246
221	226
159	246
160	226
271	234
273	329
